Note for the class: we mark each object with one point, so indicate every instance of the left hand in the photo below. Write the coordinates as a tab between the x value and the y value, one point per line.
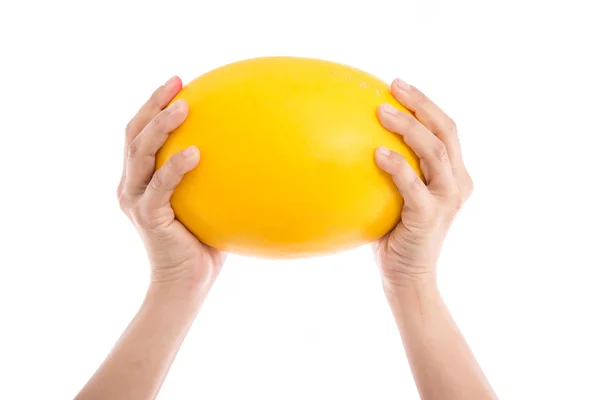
408	255
176	256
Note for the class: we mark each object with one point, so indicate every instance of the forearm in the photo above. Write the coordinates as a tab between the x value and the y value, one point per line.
440	359
139	362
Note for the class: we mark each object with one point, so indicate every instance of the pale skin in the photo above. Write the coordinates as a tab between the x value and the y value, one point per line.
183	269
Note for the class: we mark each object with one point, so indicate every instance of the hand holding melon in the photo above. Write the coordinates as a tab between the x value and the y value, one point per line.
177	258
408	255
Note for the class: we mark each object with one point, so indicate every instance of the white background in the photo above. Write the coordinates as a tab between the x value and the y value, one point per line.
519	270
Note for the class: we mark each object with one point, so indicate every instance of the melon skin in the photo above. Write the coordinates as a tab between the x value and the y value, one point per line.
287	167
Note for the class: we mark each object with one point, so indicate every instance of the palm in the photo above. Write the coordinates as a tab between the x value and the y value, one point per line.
176	254
405	252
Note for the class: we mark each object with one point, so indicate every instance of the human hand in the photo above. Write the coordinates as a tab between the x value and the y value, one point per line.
176	256
408	254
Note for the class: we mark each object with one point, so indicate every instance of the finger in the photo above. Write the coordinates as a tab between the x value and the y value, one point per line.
409	184
159	99
432	117
165	180
430	150
142	150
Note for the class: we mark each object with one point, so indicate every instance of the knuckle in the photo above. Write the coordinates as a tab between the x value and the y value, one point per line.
130	129
466	185
149	218
399	168
456	202
157	181
411	124
154	100
453	200
143	215
452	128
397	161
420	100
124	203
132	149
455	208
470	186
137	217
440	152
417	183
158	122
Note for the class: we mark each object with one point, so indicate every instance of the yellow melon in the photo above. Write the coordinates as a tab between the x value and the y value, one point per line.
287	164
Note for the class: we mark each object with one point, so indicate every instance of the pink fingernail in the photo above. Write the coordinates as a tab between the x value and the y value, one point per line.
384	151
389	109
171	80
190	151
176	104
400	84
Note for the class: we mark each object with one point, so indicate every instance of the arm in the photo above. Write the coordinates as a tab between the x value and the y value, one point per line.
182	269
140	360
440	359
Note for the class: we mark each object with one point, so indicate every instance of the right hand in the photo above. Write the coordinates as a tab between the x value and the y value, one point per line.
177	257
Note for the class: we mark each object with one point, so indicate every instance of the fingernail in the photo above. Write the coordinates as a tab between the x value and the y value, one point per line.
389	109
176	104
384	151
171	80
190	151
400	84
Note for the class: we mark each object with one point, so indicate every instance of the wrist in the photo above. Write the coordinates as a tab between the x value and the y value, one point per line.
409	285
416	295
175	295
